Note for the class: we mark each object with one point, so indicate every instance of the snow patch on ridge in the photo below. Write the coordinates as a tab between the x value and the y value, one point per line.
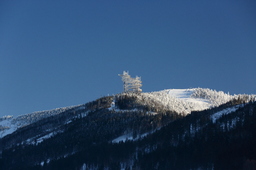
185	101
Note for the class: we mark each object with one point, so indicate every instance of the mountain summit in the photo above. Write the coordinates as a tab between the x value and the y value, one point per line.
127	130
182	101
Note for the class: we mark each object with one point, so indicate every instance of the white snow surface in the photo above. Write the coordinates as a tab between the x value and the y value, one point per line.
9	124
129	136
123	138
185	101
229	110
36	141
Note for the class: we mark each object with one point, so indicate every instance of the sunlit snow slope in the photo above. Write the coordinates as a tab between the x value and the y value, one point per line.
186	100
9	124
183	101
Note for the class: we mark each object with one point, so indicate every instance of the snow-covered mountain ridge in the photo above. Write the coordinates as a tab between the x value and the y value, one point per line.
9	124
182	101
186	100
118	128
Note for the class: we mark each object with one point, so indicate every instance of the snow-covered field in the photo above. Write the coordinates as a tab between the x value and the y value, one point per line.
186	100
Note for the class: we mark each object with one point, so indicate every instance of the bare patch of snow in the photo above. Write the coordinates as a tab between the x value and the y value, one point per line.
123	138
42	163
217	115
41	139
129	136
113	105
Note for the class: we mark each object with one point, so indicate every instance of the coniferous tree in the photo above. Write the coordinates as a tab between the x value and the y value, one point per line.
131	84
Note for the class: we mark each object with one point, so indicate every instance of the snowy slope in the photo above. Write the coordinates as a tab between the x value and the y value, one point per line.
183	101
9	124
186	100
217	115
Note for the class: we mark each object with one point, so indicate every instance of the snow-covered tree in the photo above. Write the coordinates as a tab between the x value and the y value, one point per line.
131	84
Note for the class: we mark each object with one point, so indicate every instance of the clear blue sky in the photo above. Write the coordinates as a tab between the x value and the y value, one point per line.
61	53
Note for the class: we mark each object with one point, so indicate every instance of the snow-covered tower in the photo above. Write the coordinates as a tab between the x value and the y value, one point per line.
131	84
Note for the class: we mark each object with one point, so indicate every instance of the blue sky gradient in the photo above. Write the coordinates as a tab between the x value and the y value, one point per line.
61	53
